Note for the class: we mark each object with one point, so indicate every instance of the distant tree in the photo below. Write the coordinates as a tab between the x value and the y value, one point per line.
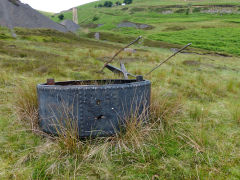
95	18
108	4
118	3
100	5
61	17
128	1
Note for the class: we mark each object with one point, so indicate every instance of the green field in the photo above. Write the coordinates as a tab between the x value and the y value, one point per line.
194	127
175	28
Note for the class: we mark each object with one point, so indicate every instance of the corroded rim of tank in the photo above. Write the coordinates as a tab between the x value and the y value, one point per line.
117	83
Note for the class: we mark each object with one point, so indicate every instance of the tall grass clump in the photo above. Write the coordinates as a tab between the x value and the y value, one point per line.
235	112
26	104
165	108
134	132
4	77
66	129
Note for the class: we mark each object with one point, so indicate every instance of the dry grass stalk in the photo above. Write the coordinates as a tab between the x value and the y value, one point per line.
190	141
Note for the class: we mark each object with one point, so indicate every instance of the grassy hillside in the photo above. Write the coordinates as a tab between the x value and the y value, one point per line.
49	14
172	21
194	127
193	132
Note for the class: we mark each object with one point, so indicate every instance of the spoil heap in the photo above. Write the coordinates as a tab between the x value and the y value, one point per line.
13	13
70	25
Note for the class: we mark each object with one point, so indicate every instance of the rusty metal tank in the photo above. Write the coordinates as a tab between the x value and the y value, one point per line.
95	107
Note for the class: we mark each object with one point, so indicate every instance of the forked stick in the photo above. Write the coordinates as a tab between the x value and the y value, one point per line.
120	52
169	58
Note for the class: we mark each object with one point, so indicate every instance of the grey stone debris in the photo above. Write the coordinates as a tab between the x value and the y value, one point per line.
70	25
99	25
218	11
97	36
13	13
167	12
130	50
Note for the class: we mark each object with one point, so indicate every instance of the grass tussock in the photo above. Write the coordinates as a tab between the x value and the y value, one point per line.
165	108
134	133
4	77
67	136
235	112
26	104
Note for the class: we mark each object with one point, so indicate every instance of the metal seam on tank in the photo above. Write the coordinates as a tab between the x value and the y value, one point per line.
83	112
79	109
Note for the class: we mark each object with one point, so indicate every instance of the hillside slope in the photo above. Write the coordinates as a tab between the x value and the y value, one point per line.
193	132
204	23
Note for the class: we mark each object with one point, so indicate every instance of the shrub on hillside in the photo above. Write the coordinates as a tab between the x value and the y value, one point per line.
107	4
128	1
61	17
95	18
118	3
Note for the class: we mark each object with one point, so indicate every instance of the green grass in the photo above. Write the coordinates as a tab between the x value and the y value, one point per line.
214	39
49	14
194	129
175	28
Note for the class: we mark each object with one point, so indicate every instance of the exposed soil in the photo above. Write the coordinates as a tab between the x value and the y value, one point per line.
124	9
134	25
191	63
197	63
194	51
137	9
90	25
124	60
175	28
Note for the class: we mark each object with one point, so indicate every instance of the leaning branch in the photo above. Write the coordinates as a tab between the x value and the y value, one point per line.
120	52
169	58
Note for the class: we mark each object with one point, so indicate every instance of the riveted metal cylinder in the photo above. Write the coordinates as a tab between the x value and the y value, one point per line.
92	108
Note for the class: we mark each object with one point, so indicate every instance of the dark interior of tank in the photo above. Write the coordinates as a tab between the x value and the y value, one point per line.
95	82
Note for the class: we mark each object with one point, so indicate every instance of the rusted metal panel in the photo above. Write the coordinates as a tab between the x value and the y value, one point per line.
97	108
